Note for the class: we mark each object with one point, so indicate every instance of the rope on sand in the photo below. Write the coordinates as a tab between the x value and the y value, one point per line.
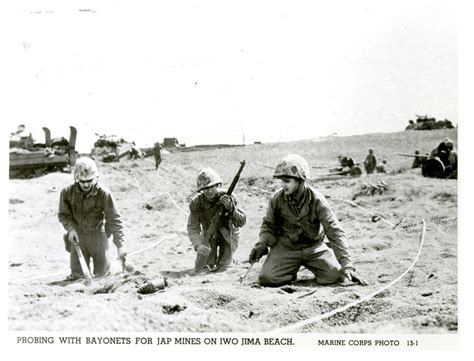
138	184
363	299
176	204
65	273
169	196
365	210
152	245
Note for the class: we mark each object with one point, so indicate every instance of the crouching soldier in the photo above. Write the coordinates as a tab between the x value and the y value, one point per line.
217	254
301	230
88	213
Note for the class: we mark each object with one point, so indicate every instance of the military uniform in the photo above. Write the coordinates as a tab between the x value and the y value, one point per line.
306	234
417	162
228	230
157	153
370	163
300	229
94	217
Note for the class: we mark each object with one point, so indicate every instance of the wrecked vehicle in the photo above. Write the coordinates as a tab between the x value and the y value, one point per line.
29	159
112	148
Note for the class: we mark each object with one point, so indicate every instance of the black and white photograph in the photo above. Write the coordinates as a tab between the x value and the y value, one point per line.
254	174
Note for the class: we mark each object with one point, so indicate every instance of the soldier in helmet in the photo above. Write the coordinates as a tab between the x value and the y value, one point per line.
300	229
442	151
370	163
202	208
418	161
382	168
88	212
452	162
157	153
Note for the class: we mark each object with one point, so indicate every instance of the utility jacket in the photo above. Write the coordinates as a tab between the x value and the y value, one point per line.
157	151
91	213
201	213
304	225
370	162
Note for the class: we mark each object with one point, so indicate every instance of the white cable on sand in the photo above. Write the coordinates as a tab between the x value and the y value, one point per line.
138	184
176	204
365	210
169	196
363	299
152	245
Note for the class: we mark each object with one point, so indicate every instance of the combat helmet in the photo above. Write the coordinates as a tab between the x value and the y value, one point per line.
294	166
85	169
206	178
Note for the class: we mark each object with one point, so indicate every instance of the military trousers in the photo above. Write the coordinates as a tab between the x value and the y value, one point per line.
220	256
93	245
283	263
157	162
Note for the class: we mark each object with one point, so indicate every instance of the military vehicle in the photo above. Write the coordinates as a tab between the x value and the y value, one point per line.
433	167
110	148
29	159
423	122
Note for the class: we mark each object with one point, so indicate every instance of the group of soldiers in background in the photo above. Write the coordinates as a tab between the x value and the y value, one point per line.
370	163
348	166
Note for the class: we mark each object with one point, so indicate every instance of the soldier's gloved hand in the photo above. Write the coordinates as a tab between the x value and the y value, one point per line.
203	250
351	275
227	202
256	253
73	237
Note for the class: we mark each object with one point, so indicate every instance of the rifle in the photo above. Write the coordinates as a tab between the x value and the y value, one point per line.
82	262
209	238
414	155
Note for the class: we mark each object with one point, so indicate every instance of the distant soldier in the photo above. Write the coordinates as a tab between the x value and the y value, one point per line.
452	167
346	161
202	208
134	153
300	229
88	212
442	151
370	163
418	161
382	168
345	164
453	162
157	153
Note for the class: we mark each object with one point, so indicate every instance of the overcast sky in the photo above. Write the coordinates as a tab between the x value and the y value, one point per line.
219	71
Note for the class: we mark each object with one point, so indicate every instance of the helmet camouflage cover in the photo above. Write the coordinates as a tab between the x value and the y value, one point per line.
85	169
294	166
206	178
